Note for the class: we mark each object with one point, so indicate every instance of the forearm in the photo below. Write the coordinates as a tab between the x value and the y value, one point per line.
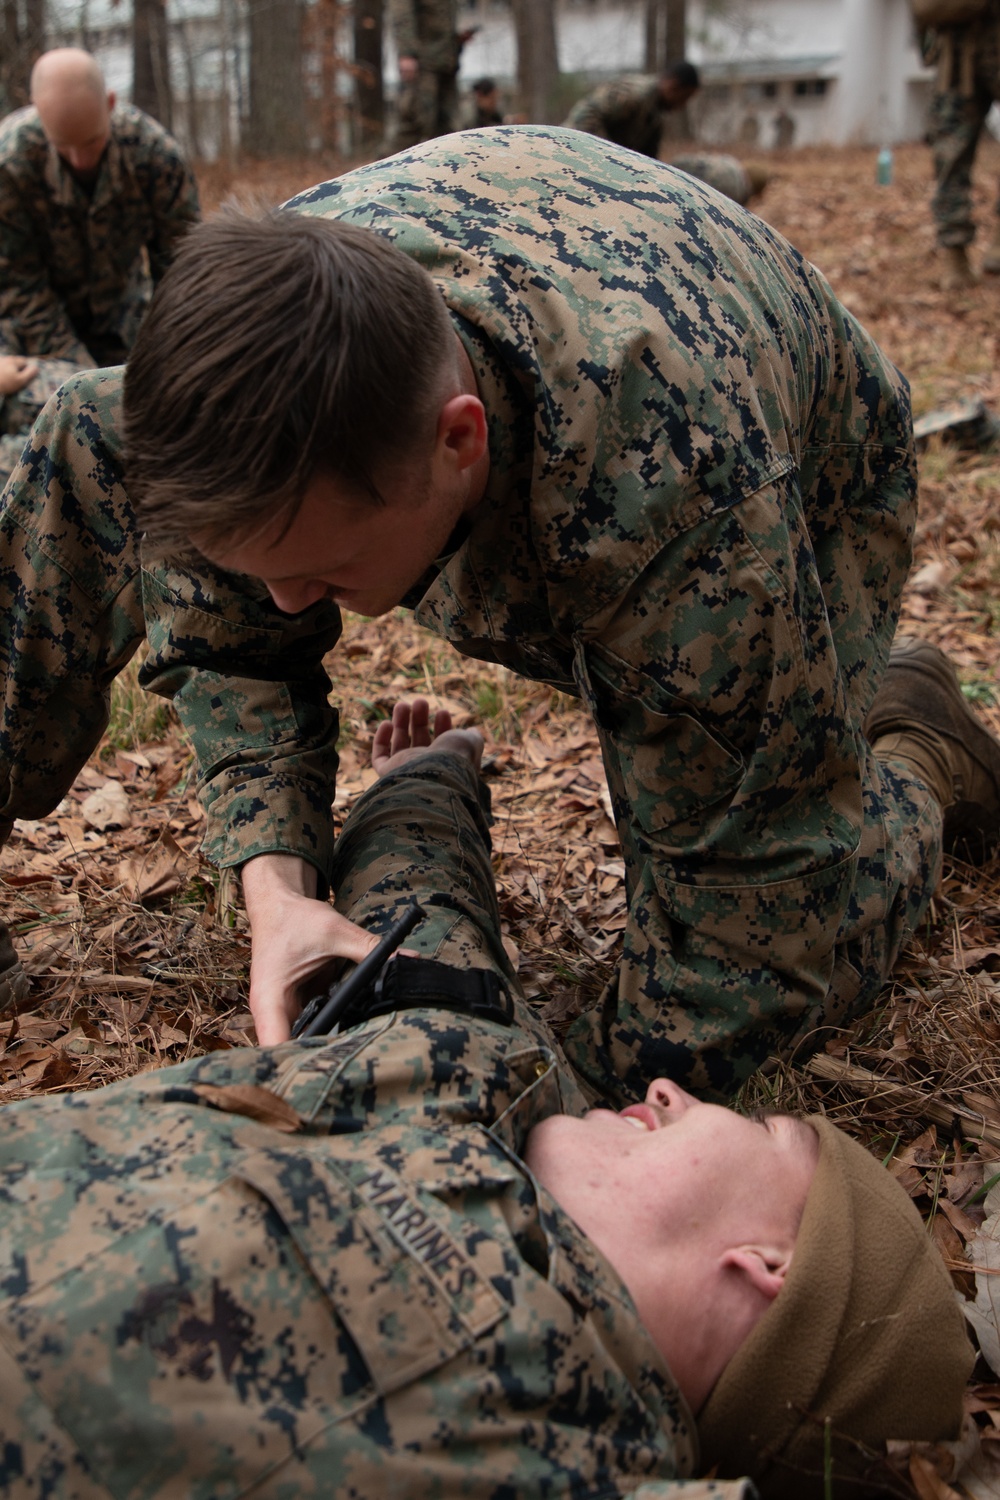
249	687
271	879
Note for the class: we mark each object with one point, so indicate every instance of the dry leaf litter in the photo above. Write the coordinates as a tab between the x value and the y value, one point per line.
139	954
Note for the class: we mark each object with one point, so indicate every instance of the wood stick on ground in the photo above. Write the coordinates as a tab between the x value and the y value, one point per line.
901	1095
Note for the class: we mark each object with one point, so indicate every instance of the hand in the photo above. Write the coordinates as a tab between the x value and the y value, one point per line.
408	69
15	372
295	937
408	735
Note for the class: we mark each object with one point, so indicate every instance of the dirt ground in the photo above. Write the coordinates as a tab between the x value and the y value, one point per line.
139	956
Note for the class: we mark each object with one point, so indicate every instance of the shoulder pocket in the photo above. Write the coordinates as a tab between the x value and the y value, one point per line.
395	1273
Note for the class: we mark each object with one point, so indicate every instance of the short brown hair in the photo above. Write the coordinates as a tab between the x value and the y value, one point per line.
275	349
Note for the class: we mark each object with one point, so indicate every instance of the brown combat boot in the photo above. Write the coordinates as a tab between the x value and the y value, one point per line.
991	259
920	716
957	275
14	983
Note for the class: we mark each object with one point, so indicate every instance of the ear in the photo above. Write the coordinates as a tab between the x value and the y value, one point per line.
763	1267
112	100
462	435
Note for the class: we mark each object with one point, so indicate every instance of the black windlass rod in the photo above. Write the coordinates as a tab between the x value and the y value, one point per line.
322	1014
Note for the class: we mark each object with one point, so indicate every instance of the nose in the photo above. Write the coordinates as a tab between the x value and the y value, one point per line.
666	1094
297	594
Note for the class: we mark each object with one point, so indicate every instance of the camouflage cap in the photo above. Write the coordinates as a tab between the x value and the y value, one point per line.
865	1335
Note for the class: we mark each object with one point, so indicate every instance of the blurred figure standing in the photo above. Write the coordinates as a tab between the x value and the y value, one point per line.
485	104
428	44
967	55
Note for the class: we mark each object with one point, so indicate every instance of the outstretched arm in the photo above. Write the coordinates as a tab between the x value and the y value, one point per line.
295	936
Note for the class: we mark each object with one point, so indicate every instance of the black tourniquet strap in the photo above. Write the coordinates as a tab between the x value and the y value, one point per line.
416	983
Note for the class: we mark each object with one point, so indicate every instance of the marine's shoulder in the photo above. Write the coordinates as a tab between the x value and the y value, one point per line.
633	86
22	139
136	132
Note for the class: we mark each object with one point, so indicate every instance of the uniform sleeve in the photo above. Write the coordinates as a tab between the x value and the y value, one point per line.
249	687
402	14
28	303
175	208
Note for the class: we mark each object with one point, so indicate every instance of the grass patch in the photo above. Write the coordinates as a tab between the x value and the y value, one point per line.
136	717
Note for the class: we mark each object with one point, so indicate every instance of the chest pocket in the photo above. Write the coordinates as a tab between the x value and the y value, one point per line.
396	1275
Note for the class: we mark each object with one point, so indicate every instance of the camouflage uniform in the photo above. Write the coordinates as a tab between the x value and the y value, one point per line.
323	1268
428	31
724	173
967	84
698	518
627	111
18	412
77	267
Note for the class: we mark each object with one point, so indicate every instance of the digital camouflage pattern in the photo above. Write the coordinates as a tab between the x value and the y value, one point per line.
426	106
966	86
725	173
76	601
628	111
77	268
698	519
18	412
323	1268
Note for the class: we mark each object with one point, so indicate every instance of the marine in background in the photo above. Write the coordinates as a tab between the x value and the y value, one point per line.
94	199
966	85
629	111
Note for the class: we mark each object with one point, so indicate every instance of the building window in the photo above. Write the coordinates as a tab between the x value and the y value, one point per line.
810	87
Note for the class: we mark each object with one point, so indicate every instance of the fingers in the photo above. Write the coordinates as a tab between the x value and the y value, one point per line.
294	942
15	372
411	731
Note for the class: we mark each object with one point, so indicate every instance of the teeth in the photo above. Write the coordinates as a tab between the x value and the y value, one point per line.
632	1120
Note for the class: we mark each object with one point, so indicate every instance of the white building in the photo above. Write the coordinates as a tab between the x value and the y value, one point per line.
845	71
842	71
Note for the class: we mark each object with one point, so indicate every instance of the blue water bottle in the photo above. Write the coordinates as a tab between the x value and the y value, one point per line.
883	167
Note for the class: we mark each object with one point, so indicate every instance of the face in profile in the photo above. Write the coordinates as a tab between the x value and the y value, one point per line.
665	1176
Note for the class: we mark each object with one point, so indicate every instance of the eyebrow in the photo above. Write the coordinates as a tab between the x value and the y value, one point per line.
799	1128
761	1116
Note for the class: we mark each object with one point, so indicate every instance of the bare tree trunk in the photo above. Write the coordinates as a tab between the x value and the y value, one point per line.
34	31
12	86
276	126
151	90
193	138
675	12
537	57
676	124
653	31
368	94
22	38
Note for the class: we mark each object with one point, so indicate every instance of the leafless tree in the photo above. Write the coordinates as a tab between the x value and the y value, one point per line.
151	88
537	57
276	126
666	33
369	98
22	38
